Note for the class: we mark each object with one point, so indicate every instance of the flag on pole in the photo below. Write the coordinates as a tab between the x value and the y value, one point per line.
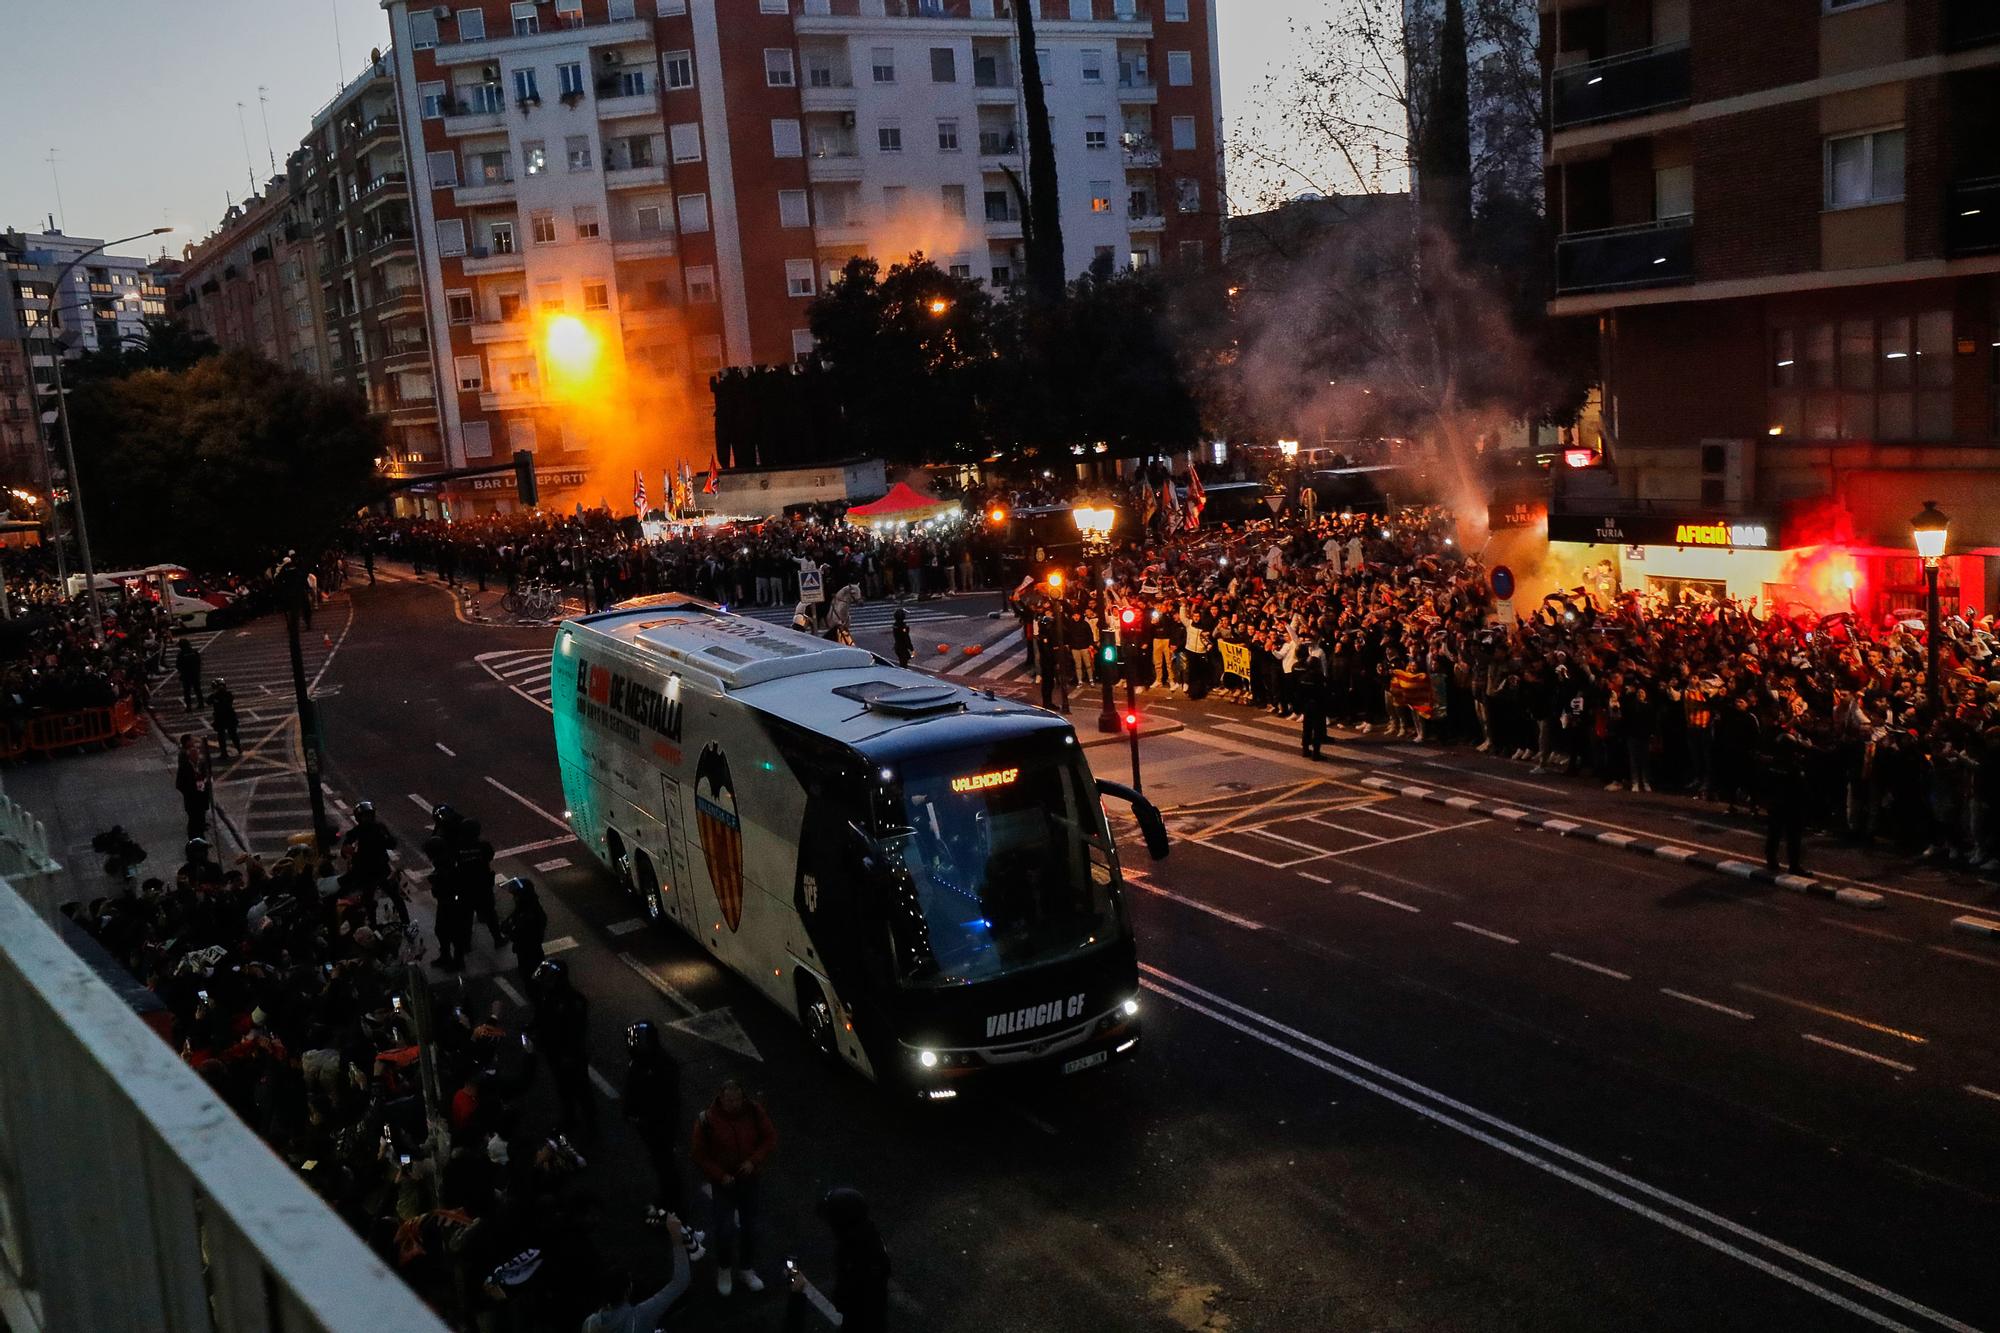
1197	498
639	491
1170	501
714	471
1149	503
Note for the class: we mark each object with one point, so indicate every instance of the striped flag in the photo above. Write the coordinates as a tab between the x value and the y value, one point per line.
1410	688
714	471
1170	500
639	491
1197	499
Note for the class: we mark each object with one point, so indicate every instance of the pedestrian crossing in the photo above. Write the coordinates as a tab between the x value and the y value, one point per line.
524	671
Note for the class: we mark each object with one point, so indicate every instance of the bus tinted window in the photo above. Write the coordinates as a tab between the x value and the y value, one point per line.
995	850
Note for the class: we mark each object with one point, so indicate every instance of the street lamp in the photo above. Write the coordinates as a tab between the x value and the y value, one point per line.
62	414
1930	528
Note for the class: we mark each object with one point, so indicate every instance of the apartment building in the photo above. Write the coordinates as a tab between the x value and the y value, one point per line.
248	284
20	439
616	198
101	302
1785	219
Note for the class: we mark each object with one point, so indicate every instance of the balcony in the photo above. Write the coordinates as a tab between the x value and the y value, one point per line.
380	127
618	106
1000	92
840	232
1972	217
501	47
1621	85
481	260
498	191
1003	224
836	96
834	166
1146	217
501	400
658	246
1652	254
382	189
635	178
1138	88
1970	23
500	331
643	318
385	246
1140	154
995	145
466	118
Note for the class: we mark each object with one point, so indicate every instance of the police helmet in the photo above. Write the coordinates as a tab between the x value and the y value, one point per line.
197	847
548	972
363	809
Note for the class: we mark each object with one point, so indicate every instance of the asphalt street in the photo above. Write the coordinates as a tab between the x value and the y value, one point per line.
1406	1065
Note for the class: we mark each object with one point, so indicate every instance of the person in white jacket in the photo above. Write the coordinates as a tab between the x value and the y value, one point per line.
620	1314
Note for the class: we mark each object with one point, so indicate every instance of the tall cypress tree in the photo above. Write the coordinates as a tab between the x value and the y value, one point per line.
1047	273
1444	145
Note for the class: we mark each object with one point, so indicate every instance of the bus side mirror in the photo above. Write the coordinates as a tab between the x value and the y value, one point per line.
862	848
1152	826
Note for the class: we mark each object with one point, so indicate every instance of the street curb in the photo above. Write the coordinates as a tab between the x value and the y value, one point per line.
1977	925
1664	851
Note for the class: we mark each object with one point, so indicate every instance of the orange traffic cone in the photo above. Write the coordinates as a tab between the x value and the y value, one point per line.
972	650
943	648
326	642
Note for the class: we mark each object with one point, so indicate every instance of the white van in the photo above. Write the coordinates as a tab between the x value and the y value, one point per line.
170	585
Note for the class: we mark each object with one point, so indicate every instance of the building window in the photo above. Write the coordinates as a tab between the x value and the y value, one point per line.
894	198
792	209
1079	11
577	149
647	216
458	307
694	213
889	138
1864	378
500	238
786	140
471	25
433	100
521	430
471	375
477	436
802	344
507	306
953	197
586	222
1673	193
1180	69
570	77
549	294
701	284
443	168
1191	254
944	65
638	151
631	83
961	271
1100	196
1175	11
684	140
571	12
1093	66
1047	64
678	67
619	10
671	9
525	21
882	60
1094	136
1183	132
708	353
1187	195
947	136
535	157
542	226
596	294
423	30
526	90
1864	168
778	67
798	277
773	7
1003	275
451	236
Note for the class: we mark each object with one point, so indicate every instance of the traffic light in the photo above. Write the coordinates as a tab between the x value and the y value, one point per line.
524	479
1131	720
1109	655
1129	617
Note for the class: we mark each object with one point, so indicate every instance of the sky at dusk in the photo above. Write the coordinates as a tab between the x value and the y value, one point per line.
138	98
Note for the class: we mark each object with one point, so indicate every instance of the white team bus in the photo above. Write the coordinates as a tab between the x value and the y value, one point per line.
922	873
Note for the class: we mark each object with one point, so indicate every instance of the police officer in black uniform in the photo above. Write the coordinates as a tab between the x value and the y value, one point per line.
652	1103
562	1022
1785	768
1309	690
222	700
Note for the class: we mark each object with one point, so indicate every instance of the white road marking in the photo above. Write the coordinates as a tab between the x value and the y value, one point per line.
1668	852
553	863
1856	1050
542	846
1489	934
661	984
1198	905
1616	839
1495	777
1317	879
1964	956
1547	1156
627	926
420	803
500	786
506	988
1560	825
560	944
603	1084
1825	1012
1590	966
446	748
1982	1092
1377	812
1706	1004
1386	902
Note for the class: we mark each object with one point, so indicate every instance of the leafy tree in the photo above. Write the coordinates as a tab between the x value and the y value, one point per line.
909	356
162	344
222	464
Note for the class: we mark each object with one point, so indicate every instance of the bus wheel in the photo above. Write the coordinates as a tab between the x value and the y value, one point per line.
816	1017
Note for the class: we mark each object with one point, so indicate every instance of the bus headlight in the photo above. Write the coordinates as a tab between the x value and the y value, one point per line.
928	1059
1131	1007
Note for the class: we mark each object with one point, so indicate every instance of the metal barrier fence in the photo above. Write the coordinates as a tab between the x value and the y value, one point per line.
62	731
131	1198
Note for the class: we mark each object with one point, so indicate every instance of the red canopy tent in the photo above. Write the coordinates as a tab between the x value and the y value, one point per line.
901	505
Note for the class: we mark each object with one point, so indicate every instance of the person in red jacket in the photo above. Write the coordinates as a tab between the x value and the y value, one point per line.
731	1141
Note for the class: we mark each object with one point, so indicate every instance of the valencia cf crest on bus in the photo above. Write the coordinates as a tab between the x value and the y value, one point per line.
721	831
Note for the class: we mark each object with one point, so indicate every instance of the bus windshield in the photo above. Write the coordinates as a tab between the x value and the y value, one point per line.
1001	859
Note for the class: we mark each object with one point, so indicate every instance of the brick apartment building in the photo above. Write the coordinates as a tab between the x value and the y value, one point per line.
615	198
245	285
1785	217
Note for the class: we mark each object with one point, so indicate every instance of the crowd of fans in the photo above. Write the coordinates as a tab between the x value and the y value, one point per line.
54	658
1384	623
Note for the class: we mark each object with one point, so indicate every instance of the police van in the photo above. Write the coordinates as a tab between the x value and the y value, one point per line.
922	873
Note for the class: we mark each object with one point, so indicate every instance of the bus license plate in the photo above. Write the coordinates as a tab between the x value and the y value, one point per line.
1086	1061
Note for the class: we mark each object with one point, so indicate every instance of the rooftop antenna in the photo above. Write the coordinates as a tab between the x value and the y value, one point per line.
249	167
57	178
339	57
264	110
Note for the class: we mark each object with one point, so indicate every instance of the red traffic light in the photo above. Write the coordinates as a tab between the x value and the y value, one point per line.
1128	617
1132	721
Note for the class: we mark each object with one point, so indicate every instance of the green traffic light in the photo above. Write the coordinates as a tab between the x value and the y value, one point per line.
1111	654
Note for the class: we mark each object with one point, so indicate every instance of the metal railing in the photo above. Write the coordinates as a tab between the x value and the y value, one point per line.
131	1197
1651	254
1972	217
1970	23
1621	85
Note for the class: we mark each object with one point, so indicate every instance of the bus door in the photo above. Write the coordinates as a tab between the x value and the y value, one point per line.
679	891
